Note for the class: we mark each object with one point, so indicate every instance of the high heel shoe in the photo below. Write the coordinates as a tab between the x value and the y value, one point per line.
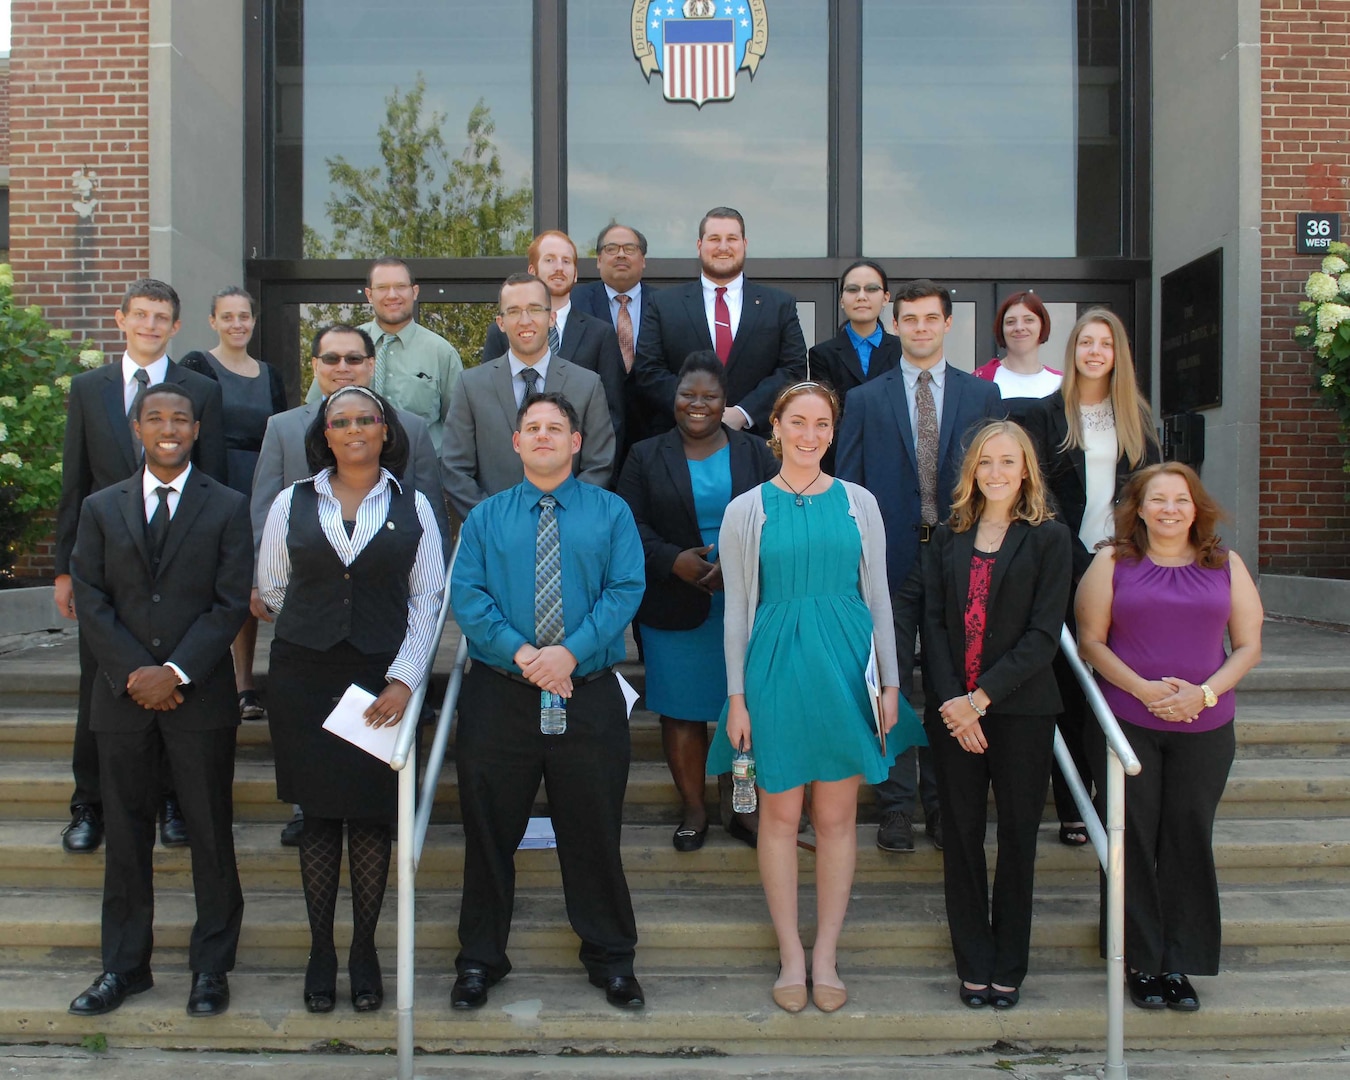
363	969
321	982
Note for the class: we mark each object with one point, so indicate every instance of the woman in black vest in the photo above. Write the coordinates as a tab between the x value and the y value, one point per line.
352	561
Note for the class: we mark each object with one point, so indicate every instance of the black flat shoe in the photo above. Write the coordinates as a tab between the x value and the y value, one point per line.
687	839
172	828
471	989
1004	999
85	831
621	991
1146	991
739	831
974	999
210	994
321	982
108	991
1178	992
321	1001
367	982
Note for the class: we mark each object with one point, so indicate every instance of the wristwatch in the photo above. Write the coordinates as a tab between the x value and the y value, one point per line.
1211	698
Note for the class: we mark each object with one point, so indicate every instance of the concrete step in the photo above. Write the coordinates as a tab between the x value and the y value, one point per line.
890	926
1314	851
545	1014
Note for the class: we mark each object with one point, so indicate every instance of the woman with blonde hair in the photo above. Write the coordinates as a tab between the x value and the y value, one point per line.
1091	434
996	583
804	569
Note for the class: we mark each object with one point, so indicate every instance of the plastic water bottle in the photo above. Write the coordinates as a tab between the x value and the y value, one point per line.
744	799
552	713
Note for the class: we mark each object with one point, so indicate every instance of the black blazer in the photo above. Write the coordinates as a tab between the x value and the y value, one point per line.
836	362
768	351
588	342
1028	594
1065	470
98	450
655	483
188	612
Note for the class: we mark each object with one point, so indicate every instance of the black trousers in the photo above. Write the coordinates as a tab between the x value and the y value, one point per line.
992	945
501	758
202	764
84	756
1172	919
1071	723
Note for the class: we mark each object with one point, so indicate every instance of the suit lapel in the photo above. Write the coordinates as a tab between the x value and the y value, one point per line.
885	357
963	547
672	456
576	333
951	405
693	306
190	504
895	390
133	514
1017	532
501	383
848	355
114	402
752	311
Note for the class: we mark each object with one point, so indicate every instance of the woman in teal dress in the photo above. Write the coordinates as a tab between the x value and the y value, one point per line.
804	568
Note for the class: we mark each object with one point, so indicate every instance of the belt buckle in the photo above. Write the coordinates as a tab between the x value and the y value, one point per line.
925	532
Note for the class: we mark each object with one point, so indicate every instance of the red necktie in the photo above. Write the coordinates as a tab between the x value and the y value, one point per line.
722	321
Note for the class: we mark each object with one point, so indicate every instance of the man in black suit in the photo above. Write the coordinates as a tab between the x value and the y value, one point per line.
576	335
161	569
753	329
880	446
101	450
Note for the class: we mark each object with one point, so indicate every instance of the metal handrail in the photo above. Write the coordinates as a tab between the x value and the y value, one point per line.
414	820
1109	845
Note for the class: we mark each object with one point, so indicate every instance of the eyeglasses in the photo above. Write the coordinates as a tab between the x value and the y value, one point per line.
365	420
614	249
333	359
534	311
853	290
385	290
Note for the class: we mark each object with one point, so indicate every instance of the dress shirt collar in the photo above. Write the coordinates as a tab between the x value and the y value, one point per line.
911	373
734	287
634	294
149	482
323	482
873	339
562	493
156	369
405	334
518	365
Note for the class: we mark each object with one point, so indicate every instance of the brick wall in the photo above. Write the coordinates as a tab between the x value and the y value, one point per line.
1305	159
4	113
79	102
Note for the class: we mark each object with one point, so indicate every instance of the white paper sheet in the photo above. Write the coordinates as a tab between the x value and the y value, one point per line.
538	835
347	721
630	695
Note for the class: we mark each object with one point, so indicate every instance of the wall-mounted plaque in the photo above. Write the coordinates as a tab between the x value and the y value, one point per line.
1191	357
1315	232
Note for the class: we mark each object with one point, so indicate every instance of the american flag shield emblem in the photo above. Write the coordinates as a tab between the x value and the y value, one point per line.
700	60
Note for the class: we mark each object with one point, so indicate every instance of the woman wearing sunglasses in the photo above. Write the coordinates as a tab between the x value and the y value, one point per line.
351	559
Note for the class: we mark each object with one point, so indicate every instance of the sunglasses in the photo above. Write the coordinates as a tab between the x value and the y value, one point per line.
333	359
342	423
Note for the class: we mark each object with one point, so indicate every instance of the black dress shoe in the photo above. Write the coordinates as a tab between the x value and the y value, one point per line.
1146	991
321	981
687	839
210	994
1179	993
471	989
108	991
85	831
172	827
1004	999
367	981
974	999
742	832
621	991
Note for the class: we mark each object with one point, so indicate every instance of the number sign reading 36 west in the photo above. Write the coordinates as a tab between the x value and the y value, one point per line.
1316	232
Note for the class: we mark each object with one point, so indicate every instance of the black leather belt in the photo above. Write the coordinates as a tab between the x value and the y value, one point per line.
925	532
577	680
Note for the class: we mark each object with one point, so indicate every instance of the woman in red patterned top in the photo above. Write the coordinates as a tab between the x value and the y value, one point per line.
996	579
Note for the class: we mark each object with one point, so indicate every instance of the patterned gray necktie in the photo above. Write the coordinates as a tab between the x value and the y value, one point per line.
381	377
531	379
926	442
554	340
142	378
548	602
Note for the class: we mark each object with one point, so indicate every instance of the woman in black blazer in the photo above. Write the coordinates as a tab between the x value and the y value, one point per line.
996	579
678	485
862	349
1091	434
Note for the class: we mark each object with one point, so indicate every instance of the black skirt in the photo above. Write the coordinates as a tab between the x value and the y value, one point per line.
322	773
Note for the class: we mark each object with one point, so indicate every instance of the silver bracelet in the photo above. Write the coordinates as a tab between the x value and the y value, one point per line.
970	696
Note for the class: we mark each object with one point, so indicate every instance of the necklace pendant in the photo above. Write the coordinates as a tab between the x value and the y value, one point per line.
799	500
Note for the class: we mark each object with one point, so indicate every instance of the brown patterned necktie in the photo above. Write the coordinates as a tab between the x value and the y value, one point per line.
624	327
926	442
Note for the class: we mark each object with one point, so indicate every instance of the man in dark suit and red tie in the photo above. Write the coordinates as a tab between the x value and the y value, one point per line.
753	329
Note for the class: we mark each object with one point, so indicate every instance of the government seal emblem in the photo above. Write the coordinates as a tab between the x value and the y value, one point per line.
698	46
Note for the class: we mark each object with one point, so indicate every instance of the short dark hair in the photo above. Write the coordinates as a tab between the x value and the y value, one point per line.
1033	304
918	289
341	328
394	453
162	389
148	288
549	397
523	278
600	240
870	265
721	212
234	290
389	260
704	362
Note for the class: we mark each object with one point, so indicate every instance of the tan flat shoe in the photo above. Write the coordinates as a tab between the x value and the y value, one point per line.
791	998
828	998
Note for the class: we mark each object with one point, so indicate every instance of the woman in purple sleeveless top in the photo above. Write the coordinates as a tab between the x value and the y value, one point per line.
1152	611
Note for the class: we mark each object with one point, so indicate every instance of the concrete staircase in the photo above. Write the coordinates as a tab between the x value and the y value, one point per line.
706	953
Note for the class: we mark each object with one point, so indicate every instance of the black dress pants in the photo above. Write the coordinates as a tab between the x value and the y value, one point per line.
202	764
992	946
501	756
84	756
1172	919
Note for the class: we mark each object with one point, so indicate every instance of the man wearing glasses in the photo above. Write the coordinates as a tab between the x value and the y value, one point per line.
341	356
415	368
477	455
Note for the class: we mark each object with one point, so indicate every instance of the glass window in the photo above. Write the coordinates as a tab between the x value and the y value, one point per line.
991	128
658	165
402	129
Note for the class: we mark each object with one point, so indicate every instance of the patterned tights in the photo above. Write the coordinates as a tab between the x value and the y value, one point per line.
368	853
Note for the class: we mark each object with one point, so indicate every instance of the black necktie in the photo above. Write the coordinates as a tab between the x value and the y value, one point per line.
158	528
142	379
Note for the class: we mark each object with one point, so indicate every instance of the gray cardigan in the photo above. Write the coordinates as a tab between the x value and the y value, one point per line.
738	544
